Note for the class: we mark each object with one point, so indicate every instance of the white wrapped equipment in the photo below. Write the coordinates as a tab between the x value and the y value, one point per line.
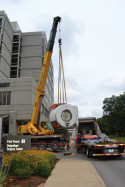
66	115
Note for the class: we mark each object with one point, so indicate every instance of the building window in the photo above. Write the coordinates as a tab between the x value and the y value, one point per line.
5	98
0	45
43	50
14	61
16	57
15	49
13	72
15	38
0	21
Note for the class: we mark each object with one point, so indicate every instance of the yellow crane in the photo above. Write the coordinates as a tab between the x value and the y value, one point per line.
35	127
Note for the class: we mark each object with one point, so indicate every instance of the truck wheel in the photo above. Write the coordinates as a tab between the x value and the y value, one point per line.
88	152
55	145
42	145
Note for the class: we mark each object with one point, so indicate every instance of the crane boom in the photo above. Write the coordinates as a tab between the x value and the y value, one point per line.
44	71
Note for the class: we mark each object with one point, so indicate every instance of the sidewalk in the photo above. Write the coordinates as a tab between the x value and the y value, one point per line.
74	173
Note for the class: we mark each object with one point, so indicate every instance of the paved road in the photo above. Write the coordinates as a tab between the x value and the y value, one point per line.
111	169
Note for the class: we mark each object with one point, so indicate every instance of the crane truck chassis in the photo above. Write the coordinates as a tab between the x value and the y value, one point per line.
96	143
55	142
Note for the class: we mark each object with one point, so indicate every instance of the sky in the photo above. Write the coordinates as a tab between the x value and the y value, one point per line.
93	45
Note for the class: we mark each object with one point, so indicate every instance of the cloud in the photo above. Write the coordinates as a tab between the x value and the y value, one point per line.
10	1
110	85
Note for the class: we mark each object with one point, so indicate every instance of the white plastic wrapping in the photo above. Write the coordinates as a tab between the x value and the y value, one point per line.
66	115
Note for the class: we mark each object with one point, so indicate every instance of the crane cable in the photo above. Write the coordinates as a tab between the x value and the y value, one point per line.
62	98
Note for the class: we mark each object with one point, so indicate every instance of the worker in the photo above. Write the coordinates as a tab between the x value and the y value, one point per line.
64	138
68	141
44	125
78	143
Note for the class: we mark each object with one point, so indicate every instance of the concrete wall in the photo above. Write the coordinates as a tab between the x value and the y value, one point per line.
22	97
7	40
33	50
31	62
23	94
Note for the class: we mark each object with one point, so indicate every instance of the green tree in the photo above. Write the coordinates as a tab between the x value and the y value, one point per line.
113	120
120	114
103	124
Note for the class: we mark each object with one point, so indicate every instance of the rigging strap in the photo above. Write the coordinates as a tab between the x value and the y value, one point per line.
61	78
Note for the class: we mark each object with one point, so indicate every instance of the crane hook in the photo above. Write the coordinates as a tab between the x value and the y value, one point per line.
60	42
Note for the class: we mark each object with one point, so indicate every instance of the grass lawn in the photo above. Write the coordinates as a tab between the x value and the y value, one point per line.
121	139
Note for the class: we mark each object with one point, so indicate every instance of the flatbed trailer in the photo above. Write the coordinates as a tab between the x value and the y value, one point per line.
103	149
94	147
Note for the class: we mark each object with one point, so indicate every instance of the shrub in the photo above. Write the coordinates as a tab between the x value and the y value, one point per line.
23	172
43	169
51	159
40	162
18	162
